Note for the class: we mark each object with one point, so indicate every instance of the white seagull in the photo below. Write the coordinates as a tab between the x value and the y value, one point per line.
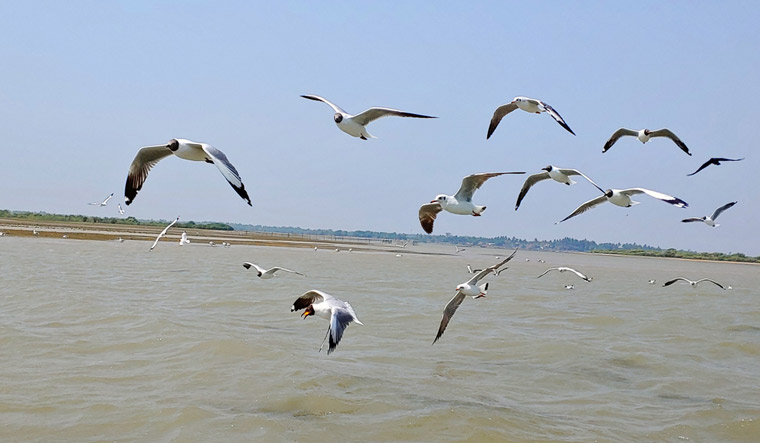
644	135
531	105
692	283
164	232
459	203
710	221
471	288
652	281
338	312
564	269
622	197
561	175
569	286
103	203
148	156
355	125
121	210
184	240
267	273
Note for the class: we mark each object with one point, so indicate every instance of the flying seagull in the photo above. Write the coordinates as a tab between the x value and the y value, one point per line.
354	125
121	210
148	156
561	175
184	240
715	161
622	197
710	221
564	269
693	283
471	288
338	312
528	105
266	273
644	135
164	232
103	203
459	203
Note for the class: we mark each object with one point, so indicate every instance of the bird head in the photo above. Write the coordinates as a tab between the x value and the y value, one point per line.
647	131
173	145
608	193
309	311
441	198
459	288
338	117
547	169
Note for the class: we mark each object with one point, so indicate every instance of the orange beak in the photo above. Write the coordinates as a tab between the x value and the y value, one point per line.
305	314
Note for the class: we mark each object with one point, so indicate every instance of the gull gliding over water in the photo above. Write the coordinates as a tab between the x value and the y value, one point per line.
338	312
622	197
184	240
355	125
710	221
531	105
164	232
692	283
565	269
561	175
148	156
459	203
715	161
103	203
267	273
471	288
644	135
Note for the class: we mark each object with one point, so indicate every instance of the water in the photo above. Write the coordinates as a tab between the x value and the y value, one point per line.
106	341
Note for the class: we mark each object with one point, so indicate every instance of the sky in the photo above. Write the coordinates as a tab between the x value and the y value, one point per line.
85	84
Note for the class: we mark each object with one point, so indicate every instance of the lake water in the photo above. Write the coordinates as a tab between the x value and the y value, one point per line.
104	341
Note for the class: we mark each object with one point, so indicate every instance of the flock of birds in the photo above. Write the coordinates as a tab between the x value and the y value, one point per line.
340	313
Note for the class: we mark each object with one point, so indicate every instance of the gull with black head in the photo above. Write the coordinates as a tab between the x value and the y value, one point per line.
644	135
527	104
339	313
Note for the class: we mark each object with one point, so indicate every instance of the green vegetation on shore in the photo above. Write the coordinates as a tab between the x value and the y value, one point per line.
673	253
45	217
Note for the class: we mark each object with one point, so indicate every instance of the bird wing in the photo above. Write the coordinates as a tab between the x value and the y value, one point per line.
616	135
692	219
670	282
555	115
340	319
249	265
146	158
163	232
427	215
335	107
585	207
577	172
704	165
448	312
579	274
711	281
721	209
228	171
482	273
277	268
529	182
308	298
373	114
658	195
547	271
665	132
473	182
498	114
106	200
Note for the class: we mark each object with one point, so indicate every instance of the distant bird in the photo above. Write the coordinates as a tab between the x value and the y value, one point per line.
184	240
459	203
692	283
164	232
569	286
121	210
120	240
531	105
354	125
103	203
715	161
2	234
34	232
541	260
471	288
561	175
644	135
622	197
338	312
266	273
652	281
148	156
315	248
710	221
399	255
457	249
65	236
402	245
565	269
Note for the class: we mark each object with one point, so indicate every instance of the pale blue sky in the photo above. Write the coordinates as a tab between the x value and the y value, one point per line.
86	84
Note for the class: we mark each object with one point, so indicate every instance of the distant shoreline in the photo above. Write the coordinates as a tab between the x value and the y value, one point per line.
707	260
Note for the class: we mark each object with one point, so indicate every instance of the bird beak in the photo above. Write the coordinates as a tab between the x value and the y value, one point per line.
433	201
305	314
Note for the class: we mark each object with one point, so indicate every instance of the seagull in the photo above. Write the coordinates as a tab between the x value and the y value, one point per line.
541	260
184	240
470	288
457	249
338	312
34	232
710	221
164	232
528	105
121	210
459	203
715	161
148	156
693	283
652	281
622	197
103	203
561	175
354	125
564	269
569	286
267	273
644	135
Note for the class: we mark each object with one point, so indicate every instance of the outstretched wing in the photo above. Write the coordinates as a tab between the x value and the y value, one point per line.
498	114
448	312
721	209
473	182
670	282
616	135
529	182
711	281
585	207
277	268
665	132
228	171
427	215
692	219
308	298
146	158
555	115
335	107
476	278
704	165
658	195
577	172
373	114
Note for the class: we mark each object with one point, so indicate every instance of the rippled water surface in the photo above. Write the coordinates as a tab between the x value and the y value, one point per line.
106	341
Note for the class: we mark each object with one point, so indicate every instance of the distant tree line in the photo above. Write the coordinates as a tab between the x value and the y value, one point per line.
44	216
674	253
